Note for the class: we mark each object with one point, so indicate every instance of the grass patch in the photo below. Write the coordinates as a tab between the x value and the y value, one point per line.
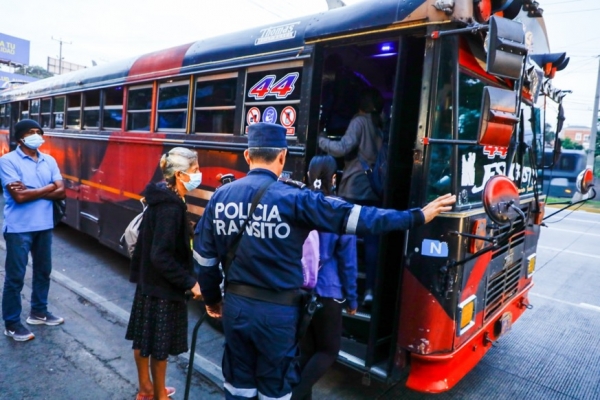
590	205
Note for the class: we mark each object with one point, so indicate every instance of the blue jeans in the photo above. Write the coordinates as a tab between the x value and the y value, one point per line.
18	246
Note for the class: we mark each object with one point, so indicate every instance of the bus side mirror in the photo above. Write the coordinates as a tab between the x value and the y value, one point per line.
506	48
498	117
585	180
501	200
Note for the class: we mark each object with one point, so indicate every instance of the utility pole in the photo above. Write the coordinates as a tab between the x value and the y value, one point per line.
60	53
594	129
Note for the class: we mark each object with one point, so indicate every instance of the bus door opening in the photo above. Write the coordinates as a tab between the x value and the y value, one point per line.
393	67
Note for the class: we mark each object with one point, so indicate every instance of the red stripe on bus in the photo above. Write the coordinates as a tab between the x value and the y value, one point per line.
157	64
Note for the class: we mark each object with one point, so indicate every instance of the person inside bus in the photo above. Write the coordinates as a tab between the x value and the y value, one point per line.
360	144
336	288
162	268
340	95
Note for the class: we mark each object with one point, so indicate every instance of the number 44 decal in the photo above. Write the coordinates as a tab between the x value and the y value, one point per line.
280	89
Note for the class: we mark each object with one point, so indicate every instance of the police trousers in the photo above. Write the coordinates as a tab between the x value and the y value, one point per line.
261	357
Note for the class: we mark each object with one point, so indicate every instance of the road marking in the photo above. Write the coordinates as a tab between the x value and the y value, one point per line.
568	230
569	251
590	306
580	305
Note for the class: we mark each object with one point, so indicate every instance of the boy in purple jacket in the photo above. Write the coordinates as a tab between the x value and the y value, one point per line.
336	288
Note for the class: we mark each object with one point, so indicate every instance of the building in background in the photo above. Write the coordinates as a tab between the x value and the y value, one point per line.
578	134
56	67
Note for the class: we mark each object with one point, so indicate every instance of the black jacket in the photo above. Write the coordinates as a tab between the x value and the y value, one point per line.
162	260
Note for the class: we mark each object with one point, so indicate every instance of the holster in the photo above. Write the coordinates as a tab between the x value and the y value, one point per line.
310	304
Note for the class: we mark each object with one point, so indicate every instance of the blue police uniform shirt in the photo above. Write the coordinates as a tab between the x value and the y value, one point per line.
269	255
33	215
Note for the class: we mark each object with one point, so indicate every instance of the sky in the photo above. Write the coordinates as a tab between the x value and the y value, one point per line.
111	30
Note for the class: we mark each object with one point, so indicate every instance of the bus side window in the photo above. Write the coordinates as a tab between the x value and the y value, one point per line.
172	106
112	114
59	112
74	111
34	110
214	108
45	112
4	115
139	107
91	111
24	110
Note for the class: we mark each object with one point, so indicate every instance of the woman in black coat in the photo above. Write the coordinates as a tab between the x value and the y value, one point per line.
162	268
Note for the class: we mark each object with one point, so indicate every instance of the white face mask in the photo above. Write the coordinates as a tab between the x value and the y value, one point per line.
194	182
33	141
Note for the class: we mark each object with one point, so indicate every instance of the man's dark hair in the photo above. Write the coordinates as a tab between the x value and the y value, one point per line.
264	154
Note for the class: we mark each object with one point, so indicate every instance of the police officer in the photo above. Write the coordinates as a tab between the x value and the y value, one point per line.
262	306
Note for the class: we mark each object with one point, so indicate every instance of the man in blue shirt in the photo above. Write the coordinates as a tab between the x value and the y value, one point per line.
32	181
262	307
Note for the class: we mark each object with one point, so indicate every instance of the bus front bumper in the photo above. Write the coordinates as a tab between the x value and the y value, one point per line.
439	373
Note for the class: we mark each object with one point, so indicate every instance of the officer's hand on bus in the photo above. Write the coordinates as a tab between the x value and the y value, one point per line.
215	310
196	294
441	204
350	311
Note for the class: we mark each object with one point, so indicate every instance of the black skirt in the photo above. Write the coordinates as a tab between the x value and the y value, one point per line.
158	327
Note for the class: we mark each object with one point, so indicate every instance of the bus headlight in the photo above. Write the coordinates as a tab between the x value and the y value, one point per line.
531	265
466	314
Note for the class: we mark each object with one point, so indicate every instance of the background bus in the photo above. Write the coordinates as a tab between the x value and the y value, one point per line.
444	292
561	179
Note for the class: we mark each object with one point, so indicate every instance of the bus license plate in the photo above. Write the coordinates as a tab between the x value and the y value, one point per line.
505	323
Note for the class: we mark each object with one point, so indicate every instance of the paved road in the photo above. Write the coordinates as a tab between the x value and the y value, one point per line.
553	351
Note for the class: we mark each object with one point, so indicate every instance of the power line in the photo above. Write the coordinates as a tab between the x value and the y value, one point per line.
575	11
560	2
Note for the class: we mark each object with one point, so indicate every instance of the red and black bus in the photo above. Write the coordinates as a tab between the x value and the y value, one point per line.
466	86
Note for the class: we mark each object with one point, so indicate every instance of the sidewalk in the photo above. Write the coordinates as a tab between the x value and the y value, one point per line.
85	358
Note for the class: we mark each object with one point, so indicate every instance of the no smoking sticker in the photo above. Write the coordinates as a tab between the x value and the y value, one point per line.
288	118
253	116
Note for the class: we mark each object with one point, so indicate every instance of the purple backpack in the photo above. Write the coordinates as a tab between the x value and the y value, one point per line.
310	260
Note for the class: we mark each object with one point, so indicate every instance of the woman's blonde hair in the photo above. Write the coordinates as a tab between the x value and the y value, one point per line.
177	159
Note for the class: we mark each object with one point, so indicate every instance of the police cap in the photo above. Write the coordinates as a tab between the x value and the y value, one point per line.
263	134
24	126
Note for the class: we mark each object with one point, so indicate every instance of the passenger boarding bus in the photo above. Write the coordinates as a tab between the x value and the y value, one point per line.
462	81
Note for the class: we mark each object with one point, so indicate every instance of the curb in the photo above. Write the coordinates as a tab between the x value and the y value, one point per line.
202	365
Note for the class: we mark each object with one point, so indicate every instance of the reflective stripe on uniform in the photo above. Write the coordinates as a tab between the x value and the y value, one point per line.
263	397
205	262
248	393
353	220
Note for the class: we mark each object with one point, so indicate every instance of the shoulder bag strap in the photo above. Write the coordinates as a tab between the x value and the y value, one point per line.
230	256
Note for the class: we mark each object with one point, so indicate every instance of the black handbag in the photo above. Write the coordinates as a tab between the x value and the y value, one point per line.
59	210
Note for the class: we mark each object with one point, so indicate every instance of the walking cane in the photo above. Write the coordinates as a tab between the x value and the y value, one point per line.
188	381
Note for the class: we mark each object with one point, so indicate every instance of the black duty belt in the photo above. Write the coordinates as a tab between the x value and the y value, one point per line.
284	297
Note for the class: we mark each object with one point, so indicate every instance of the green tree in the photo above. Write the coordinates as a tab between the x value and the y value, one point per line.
35	71
567	143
